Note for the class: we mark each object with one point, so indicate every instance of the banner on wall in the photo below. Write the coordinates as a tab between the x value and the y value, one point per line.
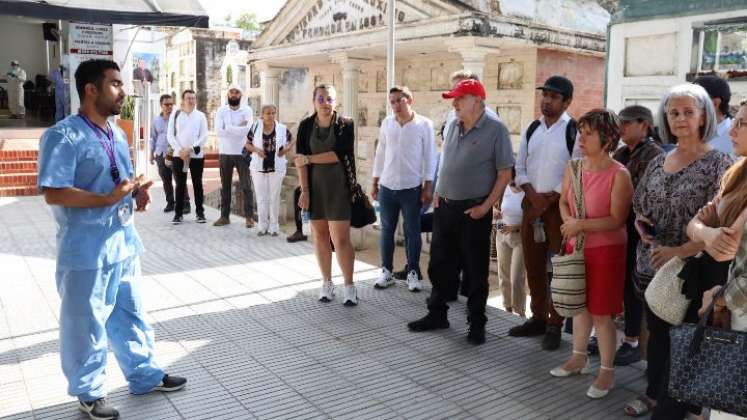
86	41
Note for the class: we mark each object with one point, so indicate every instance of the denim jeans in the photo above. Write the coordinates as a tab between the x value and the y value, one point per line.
391	202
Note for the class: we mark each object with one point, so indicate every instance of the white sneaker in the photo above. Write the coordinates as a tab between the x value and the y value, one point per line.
385	279
327	294
413	282
350	296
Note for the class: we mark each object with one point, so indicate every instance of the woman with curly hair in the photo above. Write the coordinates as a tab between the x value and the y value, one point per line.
607	196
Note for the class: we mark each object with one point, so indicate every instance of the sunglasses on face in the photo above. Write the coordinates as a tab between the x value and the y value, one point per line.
321	100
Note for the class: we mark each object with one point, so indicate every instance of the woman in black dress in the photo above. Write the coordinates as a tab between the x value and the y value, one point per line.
324	148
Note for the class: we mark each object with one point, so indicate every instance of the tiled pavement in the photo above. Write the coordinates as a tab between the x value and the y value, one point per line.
238	316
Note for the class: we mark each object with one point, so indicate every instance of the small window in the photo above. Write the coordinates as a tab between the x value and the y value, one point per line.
723	48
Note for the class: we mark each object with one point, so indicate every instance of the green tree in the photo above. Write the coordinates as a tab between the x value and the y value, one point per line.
247	21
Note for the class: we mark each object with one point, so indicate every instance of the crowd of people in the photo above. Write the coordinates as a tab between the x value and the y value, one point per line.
664	195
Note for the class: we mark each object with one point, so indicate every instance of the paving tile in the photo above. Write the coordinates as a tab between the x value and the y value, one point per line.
238	316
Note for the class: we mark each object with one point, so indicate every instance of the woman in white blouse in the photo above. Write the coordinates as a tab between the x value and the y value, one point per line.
510	254
268	141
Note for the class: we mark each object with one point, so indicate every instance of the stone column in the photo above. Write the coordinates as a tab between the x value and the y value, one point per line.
473	55
270	82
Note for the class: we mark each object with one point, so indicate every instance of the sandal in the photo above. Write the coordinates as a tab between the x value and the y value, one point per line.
640	406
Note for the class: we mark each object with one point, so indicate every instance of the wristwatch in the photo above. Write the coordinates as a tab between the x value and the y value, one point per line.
306	160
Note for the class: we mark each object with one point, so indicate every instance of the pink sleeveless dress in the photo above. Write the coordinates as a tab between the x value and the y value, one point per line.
604	252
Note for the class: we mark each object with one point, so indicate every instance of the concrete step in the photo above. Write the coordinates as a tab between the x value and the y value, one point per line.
18	167
18	180
18	191
18	155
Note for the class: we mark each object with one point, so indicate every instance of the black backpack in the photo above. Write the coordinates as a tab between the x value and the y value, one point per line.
570	134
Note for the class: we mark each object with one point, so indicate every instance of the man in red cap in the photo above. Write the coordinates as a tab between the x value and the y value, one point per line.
475	169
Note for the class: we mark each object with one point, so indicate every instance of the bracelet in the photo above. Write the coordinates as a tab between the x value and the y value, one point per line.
306	160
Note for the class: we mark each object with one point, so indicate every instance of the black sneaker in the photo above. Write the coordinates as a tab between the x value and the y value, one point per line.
296	237
531	328
552	338
627	354
177	220
400	275
429	322
593	347
171	383
169	208
476	334
99	410
187	208
201	218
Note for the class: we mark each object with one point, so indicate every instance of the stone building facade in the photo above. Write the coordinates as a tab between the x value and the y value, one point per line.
687	38
198	58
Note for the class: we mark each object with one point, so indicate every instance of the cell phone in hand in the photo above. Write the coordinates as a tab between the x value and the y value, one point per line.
648	228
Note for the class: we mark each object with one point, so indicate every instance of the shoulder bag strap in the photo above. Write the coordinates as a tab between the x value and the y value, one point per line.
578	196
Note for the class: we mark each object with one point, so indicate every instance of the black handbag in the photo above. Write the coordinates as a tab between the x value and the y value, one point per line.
709	365
362	212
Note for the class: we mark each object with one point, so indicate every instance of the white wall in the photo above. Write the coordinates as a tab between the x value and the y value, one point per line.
659	64
23	42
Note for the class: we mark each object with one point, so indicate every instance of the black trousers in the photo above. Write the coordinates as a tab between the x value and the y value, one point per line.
227	164
632	304
460	242
196	167
168	181
297	210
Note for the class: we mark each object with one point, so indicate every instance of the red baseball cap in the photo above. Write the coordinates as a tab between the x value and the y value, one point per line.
466	87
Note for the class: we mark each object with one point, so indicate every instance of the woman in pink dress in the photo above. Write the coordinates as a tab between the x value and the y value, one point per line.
608	193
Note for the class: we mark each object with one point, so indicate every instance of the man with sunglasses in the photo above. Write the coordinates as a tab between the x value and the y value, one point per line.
86	176
159	146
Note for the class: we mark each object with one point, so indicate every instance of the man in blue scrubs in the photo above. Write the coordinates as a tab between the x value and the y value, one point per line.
86	176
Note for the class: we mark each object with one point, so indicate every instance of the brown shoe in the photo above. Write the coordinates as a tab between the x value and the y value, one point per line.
249	222
222	221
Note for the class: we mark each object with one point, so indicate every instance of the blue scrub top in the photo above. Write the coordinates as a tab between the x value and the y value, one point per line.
71	155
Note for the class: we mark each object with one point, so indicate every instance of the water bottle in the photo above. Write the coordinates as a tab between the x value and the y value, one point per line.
539	231
305	217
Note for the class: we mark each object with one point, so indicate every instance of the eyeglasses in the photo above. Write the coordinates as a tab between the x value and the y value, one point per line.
321	100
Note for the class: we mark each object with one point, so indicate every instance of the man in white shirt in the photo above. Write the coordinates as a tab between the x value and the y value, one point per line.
402	181
232	123
545	148
720	93
187	135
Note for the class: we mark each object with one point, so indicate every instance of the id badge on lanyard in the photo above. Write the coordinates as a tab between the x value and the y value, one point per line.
124	209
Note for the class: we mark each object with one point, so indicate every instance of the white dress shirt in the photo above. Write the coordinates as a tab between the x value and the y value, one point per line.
406	153
543	163
191	131
722	141
231	132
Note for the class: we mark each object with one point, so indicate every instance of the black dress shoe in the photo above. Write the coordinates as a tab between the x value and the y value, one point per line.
552	338
476	334
400	275
428	323
177	220
531	328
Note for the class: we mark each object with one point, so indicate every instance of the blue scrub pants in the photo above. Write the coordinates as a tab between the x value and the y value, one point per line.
59	107
101	307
